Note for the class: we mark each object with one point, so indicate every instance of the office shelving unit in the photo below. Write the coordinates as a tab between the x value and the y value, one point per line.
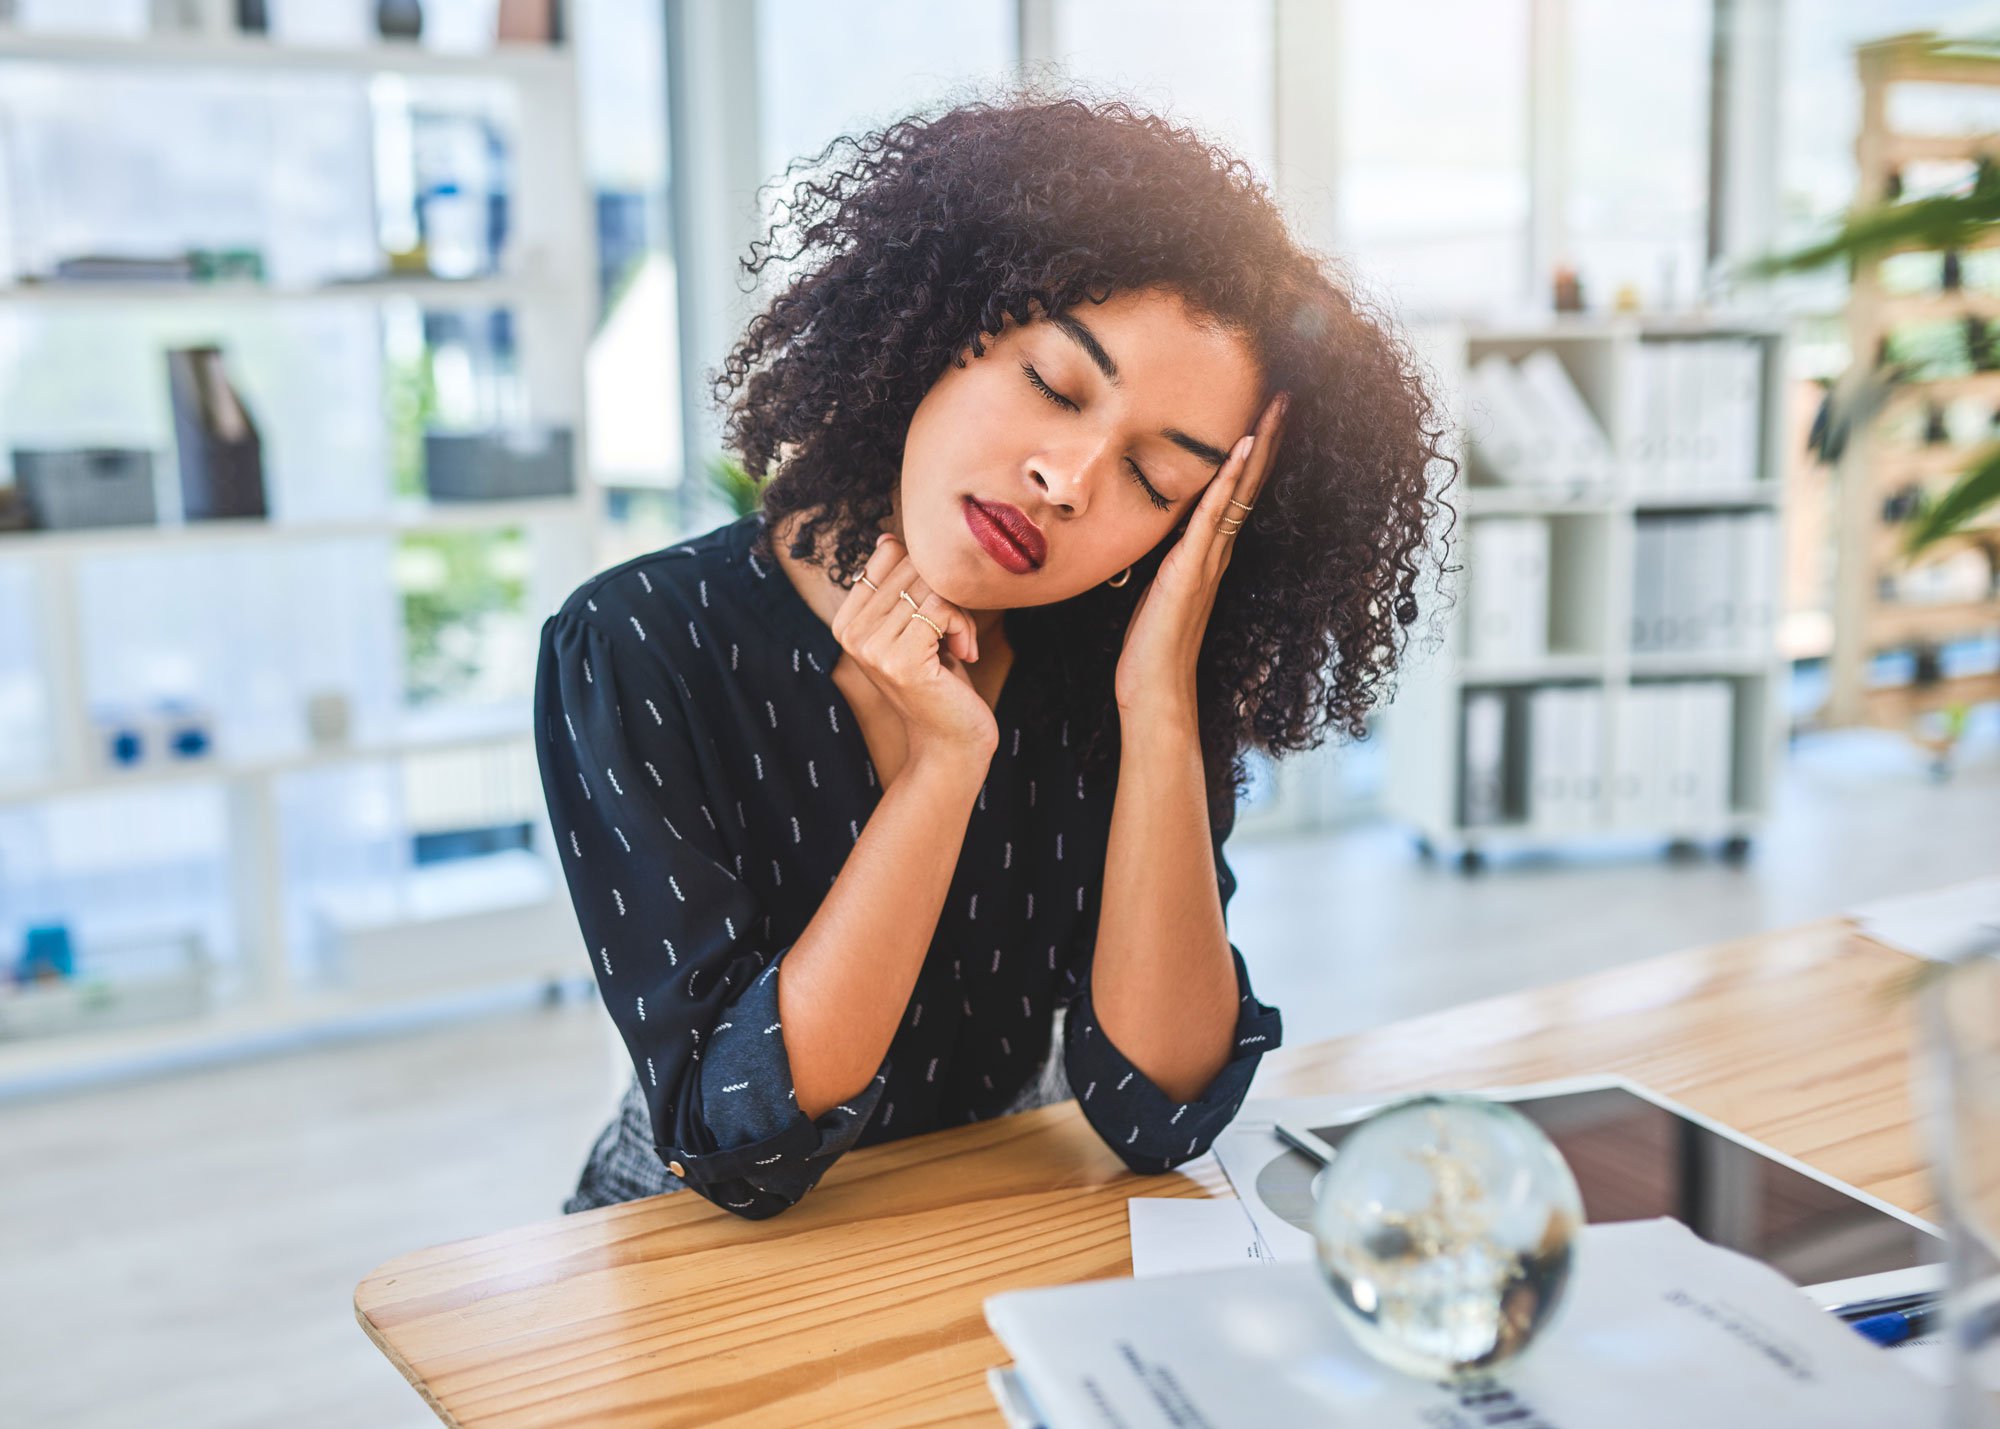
1875	465
1591	564
456	947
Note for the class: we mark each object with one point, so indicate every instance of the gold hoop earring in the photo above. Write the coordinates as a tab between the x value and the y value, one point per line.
1122	577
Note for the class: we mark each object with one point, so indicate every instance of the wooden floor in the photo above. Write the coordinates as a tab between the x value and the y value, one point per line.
185	1252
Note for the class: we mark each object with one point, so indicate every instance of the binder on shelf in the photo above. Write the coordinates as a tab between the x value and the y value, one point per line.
1564	733
1509	594
1673	757
1511	446
1637	774
1583	453
1704	583
1757	578
1695	408
221	455
1483	772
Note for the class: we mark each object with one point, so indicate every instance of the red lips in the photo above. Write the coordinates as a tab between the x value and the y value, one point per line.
1025	533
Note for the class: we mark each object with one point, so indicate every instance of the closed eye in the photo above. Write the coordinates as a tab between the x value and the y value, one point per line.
1160	502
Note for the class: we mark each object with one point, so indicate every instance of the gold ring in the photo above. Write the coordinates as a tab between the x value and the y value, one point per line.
1234	502
919	615
906	596
870	584
1228	530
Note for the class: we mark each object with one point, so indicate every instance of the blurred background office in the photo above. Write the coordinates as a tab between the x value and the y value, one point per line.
339	340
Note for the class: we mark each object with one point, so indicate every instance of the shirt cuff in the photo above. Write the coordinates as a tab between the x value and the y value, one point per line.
764	1153
1149	1130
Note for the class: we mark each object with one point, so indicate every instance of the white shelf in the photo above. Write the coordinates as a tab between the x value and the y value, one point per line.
481	957
404	518
200	54
39	1066
1590	560
483	730
1556	666
1698	662
1537	501
496	292
1736	498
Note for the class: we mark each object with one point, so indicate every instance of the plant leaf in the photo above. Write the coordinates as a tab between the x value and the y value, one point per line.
1939	517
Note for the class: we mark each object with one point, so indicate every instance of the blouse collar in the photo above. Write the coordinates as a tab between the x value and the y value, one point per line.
773	593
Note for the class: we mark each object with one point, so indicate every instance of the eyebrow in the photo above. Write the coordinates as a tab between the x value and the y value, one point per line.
1084	338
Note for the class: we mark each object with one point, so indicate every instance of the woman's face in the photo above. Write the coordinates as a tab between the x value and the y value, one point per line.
1141	392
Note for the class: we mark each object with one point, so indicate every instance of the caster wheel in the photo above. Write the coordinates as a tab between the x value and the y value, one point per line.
1471	862
1425	850
1736	848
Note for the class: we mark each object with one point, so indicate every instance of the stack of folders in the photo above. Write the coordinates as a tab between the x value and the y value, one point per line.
1705	583
1673	756
1695	415
1533	756
1508	614
1530	426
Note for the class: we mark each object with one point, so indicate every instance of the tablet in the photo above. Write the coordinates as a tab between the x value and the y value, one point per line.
1636	1155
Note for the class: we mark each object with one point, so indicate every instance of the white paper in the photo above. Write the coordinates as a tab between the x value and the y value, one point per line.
1941	924
1171	1235
1658	1330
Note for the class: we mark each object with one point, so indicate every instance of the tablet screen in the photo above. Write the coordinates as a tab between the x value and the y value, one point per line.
1634	1160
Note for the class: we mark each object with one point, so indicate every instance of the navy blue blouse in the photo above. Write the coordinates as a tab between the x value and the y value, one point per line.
705	780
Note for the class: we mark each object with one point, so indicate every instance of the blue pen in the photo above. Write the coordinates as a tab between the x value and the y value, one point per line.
1898	1326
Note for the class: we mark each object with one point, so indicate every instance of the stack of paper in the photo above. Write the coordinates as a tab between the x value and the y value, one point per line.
1658	1328
1943	924
1530	425
1694	413
1705	583
1508	614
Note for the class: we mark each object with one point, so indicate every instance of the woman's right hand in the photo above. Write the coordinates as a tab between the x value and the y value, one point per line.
923	676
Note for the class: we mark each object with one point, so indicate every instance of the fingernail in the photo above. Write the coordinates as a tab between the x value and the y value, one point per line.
1244	445
881	538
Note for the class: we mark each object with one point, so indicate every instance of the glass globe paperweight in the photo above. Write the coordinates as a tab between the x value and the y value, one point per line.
1446	1227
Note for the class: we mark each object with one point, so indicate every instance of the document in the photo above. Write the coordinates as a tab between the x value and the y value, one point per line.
1943	924
1658	1330
1171	1235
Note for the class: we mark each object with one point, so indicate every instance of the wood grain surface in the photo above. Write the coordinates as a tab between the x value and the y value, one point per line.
861	1304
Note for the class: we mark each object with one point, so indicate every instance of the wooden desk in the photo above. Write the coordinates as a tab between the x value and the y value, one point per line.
861	1305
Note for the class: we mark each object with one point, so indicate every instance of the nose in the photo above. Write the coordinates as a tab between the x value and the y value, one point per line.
1065	474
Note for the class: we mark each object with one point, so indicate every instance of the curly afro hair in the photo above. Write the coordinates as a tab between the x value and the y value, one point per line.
921	238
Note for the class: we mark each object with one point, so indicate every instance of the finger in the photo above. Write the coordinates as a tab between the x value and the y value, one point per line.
882	616
1203	532
895	613
917	640
861	612
1270	435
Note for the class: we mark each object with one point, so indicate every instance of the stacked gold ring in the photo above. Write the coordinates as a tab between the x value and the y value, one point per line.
916	614
1223	525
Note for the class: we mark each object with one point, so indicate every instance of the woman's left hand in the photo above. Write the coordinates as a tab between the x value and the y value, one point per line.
1156	667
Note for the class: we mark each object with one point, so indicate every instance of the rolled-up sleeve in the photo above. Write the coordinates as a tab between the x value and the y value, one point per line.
1150	1131
678	943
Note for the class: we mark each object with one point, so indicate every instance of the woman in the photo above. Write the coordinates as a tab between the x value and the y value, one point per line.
900	803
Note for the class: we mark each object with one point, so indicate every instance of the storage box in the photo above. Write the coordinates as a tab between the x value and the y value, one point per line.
87	486
498	466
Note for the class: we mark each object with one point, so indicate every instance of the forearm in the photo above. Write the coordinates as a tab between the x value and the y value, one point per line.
1162	978
849	974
